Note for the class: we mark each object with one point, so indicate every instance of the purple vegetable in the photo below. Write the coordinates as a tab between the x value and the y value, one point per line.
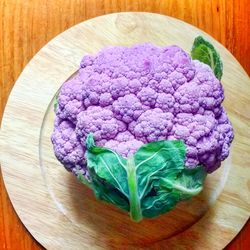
128	97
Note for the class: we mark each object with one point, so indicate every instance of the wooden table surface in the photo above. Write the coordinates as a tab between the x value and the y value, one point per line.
27	25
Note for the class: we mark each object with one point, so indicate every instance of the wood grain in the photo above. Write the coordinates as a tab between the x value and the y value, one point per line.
26	27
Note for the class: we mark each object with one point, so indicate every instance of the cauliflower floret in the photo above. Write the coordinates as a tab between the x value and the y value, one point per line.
153	125
70	100
68	148
196	96
147	96
165	102
100	122
128	108
124	144
119	87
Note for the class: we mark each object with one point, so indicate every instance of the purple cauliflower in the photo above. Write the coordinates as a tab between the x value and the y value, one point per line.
128	97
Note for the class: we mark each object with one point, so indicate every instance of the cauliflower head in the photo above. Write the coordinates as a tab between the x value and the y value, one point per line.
128	97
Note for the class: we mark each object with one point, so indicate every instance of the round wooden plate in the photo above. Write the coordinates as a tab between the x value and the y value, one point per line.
63	214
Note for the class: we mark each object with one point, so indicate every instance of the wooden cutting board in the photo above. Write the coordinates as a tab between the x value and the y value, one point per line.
63	214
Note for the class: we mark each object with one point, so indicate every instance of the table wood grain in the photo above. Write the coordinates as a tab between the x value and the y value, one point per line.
27	25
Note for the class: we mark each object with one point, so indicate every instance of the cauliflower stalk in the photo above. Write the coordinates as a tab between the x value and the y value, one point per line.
142	126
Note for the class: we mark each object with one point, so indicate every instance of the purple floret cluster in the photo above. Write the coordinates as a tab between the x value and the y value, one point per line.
128	97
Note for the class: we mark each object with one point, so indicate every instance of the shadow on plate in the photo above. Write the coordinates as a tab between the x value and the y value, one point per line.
114	227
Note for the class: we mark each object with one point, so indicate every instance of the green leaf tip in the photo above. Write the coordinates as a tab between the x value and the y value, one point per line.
90	142
205	52
146	184
55	101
